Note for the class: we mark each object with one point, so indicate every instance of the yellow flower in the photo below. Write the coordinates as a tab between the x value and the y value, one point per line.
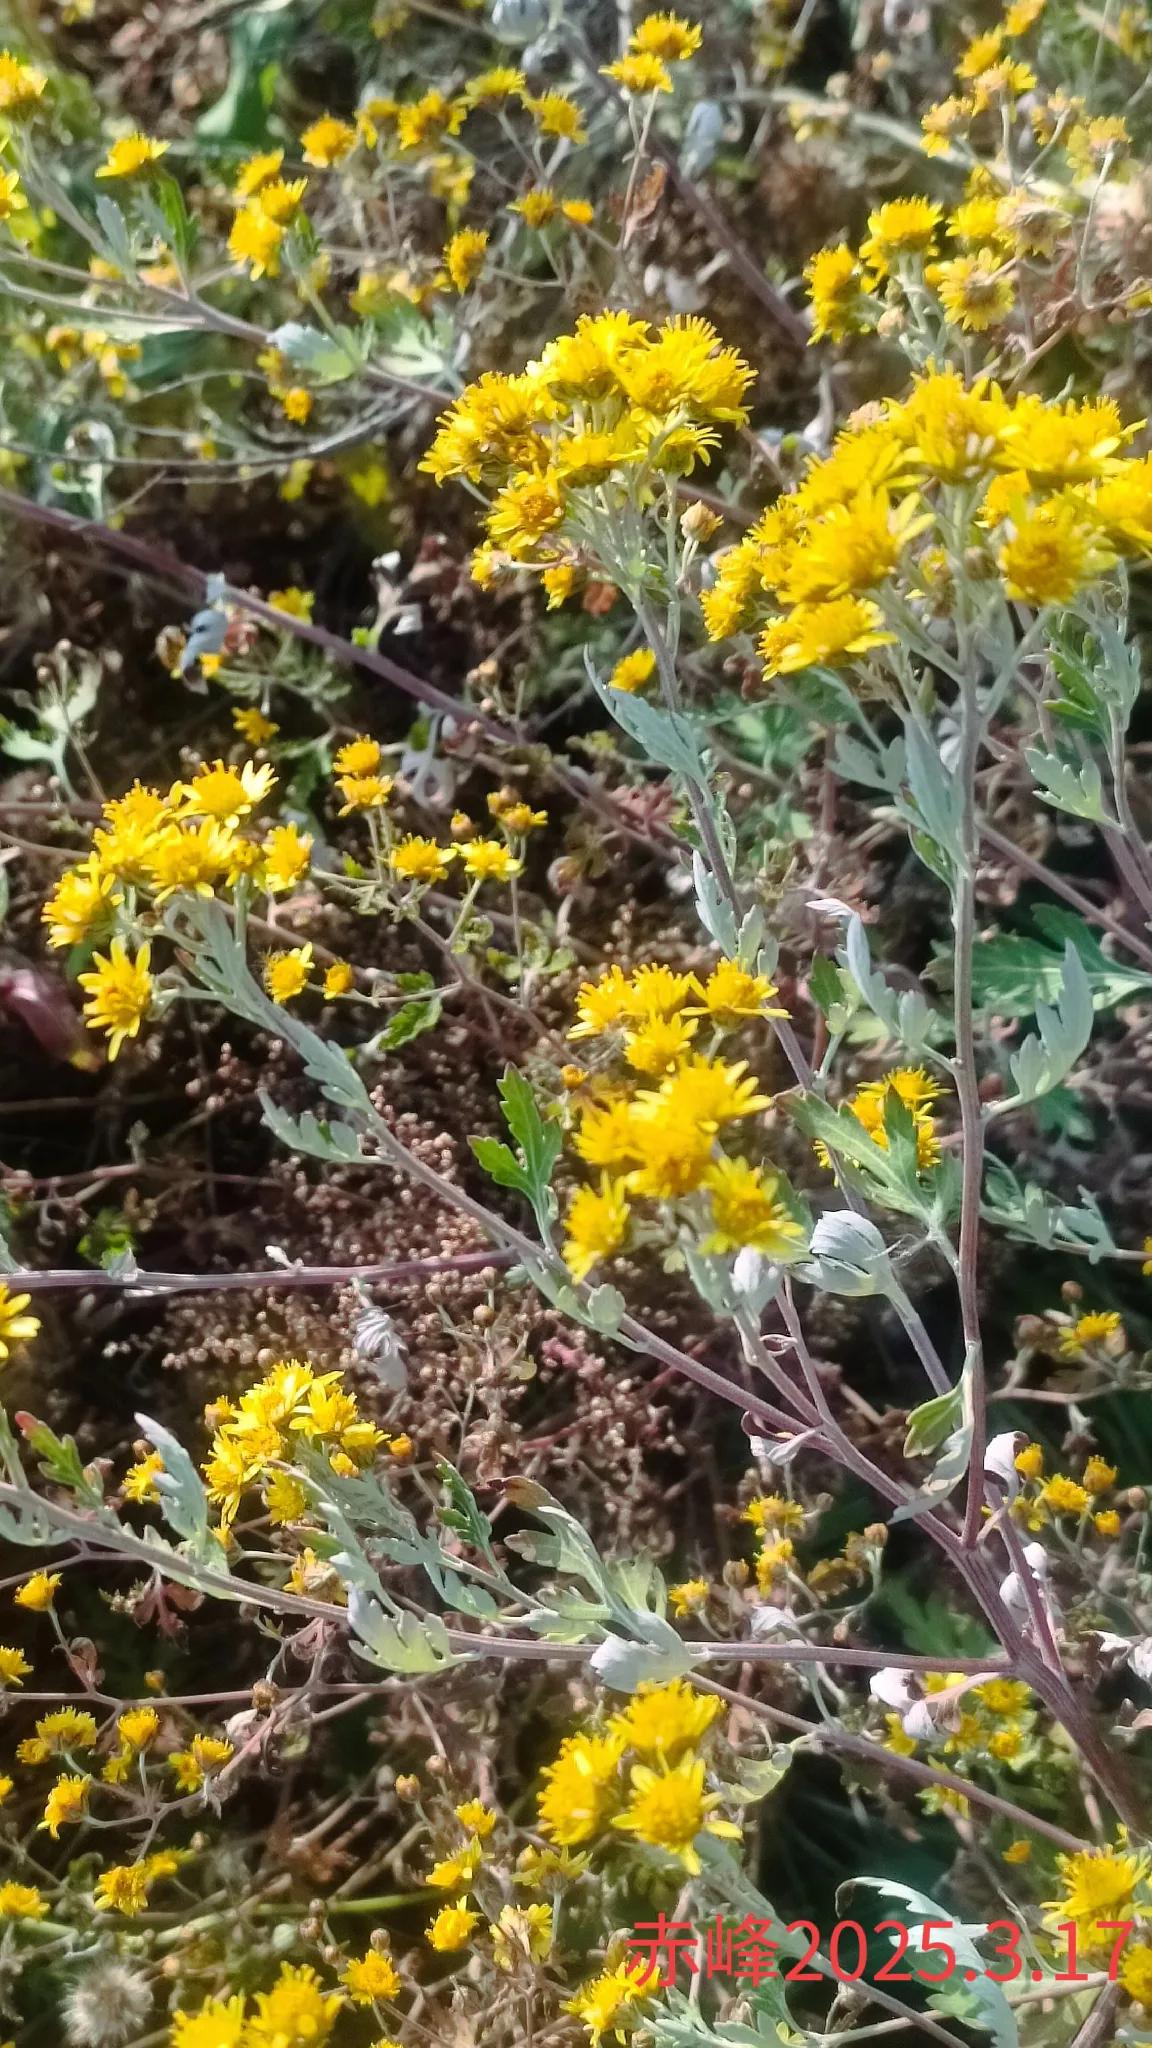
428	119
689	1597
287	853
131	154
1051	554
521	1934
836	285
280	200
1107	1523
252	725
464	257
297	405
1091	1329
370	1976
455	1873
140	1479
477	1817
633	670
639	72
364	792
38	1592
255	240
580	212
902	227
295	602
123	1889
661	1721
731	993
12	199
581	1789
822	635
15	1326
976	291
1096	1884
451	1928
1099	1476
190	1767
747	1210
605	2001
659	1043
420	860
668	36
1017	1852
556	114
486	860
1030	1461
256	172
137	1727
328	141
597	1226
225	794
296	2013
286	974
65	1729
81	904
120	991
21	1902
669	1808
218	2023
21	85
1136	1973
772	1511
338	979
360	756
14	1666
1064	1496
489	87
67	1804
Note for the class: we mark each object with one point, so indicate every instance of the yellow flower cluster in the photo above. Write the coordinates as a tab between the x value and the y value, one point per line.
642	1774
412	860
150	848
266	207
661	1143
1044	1499
605	416
296	2010
1035	493
292	1404
917	1091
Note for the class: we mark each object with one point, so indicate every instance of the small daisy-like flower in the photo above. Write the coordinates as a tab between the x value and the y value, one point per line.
132	154
639	72
633	670
258	171
669	1808
328	141
286	974
295	602
120	992
14	1666
15	1326
1095	1328
369	1977
338	979
360	756
66	1804
689	1597
667	36
464	257
252	725
38	1593
487	860
451	1928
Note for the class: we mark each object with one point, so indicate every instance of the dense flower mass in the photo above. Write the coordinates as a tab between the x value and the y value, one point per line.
607	418
1047	495
661	1143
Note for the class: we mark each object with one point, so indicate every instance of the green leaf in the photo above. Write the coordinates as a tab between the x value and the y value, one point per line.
1073	786
240	115
827	988
324	358
500	1164
1064	1032
183	1500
